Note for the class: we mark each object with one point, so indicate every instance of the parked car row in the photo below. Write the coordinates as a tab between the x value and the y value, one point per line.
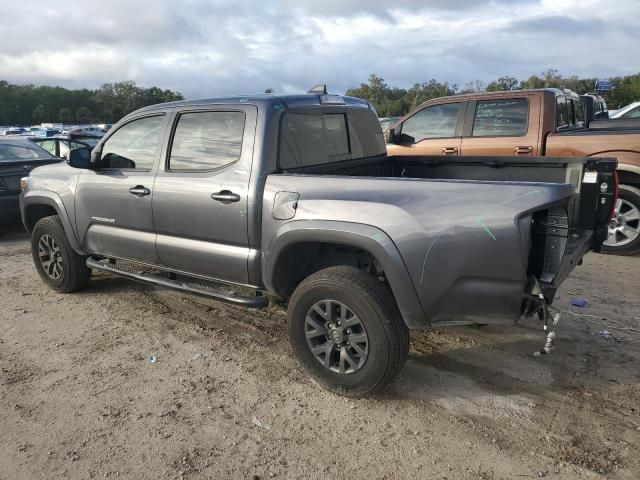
52	129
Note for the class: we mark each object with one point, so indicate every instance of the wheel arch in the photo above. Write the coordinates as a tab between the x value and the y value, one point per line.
347	241
629	174
35	206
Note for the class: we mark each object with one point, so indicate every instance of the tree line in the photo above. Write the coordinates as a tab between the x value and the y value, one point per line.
393	102
30	104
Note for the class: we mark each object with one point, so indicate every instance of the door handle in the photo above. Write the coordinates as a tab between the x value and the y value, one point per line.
523	150
226	197
140	191
450	151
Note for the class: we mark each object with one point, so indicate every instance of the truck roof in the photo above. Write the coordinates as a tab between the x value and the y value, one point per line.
267	100
501	93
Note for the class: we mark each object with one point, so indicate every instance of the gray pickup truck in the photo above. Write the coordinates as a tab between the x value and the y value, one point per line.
296	197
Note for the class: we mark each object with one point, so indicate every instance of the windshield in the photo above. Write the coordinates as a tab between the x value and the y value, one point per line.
14	151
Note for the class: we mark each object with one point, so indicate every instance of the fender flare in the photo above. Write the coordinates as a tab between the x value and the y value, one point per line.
365	237
43	197
626	167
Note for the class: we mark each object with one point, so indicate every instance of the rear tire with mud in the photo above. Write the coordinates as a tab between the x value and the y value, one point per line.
58	265
347	331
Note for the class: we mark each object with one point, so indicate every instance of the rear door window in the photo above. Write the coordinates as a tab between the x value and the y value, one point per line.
437	121
507	117
206	140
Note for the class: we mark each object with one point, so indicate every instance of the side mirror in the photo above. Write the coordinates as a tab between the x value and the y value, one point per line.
79	158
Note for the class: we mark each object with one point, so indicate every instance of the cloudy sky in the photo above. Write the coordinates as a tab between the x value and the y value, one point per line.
215	47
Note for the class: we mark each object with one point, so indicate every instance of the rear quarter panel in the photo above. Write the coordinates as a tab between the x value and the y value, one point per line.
623	146
464	243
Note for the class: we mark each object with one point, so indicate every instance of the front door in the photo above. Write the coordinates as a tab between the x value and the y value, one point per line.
434	130
201	193
113	202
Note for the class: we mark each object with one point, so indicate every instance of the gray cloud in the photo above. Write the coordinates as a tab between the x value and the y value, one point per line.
560	24
206	48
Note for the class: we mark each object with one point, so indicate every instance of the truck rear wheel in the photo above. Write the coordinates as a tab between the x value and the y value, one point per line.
58	265
624	229
347	331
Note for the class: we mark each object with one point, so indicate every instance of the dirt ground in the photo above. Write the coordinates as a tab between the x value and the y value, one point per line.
80	398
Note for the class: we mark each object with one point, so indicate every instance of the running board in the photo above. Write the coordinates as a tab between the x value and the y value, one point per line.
193	288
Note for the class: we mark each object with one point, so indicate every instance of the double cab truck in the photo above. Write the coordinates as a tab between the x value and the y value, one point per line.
528	123
296	197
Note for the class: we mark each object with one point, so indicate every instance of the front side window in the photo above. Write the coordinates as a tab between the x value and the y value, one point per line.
307	139
437	121
206	140
133	146
507	117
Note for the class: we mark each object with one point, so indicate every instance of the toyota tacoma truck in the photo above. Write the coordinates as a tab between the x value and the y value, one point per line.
547	122
295	197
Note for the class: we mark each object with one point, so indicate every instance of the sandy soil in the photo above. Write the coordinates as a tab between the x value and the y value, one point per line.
79	397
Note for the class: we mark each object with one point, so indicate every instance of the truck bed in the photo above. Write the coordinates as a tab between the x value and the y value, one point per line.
482	227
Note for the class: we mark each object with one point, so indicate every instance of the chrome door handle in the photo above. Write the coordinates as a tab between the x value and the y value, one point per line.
140	191
523	150
450	151
226	197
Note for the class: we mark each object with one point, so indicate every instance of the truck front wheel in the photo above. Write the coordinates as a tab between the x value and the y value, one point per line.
347	331
624	229
58	265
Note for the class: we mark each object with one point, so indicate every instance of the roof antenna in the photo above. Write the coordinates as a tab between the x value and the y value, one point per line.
319	89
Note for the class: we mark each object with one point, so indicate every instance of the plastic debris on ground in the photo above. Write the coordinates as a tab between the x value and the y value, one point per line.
605	334
580	302
259	424
152	359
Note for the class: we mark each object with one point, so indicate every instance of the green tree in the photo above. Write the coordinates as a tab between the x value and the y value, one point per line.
64	115
503	83
83	114
40	114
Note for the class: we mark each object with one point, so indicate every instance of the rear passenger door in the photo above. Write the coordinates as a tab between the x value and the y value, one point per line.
433	130
504	127
201	193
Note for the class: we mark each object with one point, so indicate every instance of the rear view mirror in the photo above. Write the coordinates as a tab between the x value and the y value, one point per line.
79	157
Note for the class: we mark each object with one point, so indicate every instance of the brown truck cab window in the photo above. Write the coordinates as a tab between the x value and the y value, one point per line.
507	117
437	121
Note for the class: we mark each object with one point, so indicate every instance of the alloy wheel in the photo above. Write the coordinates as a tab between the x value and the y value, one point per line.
336	337
50	257
624	228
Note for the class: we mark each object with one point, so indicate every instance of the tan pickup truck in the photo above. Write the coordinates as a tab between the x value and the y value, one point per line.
546	122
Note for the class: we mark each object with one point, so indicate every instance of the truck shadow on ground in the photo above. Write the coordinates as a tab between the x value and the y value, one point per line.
13	233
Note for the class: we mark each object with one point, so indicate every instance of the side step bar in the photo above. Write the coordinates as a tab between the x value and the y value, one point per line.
193	288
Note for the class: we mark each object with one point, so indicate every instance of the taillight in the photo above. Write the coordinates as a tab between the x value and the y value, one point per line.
615	196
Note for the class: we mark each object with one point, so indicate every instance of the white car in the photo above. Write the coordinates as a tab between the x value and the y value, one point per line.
630	111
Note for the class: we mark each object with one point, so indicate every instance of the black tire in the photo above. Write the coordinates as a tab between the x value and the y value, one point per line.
72	273
373	305
631	196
